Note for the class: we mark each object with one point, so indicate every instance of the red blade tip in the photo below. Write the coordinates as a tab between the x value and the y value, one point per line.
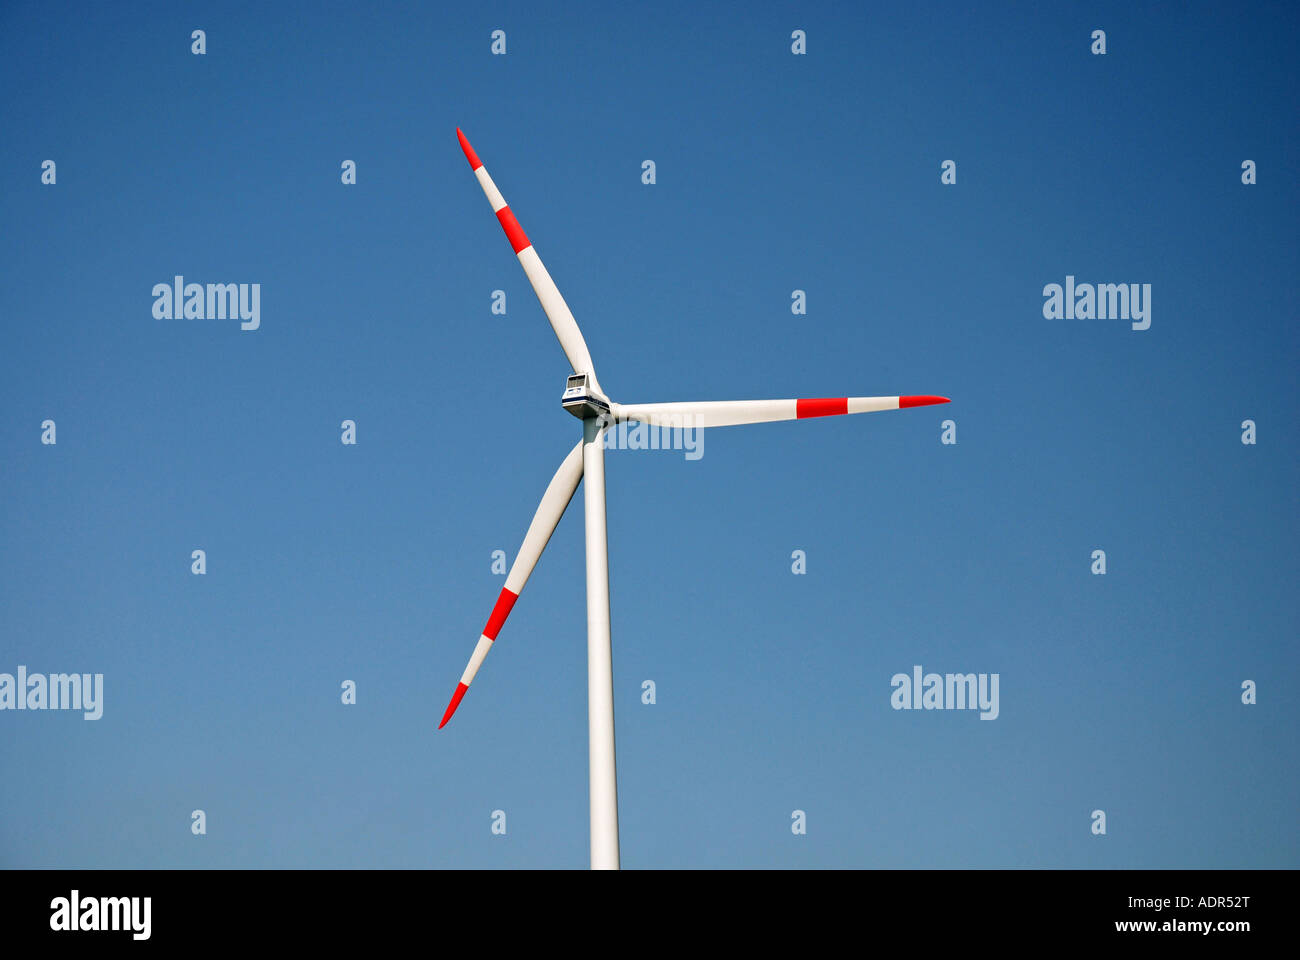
470	155
904	402
455	702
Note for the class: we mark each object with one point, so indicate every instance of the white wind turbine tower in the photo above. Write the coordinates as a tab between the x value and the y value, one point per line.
584	398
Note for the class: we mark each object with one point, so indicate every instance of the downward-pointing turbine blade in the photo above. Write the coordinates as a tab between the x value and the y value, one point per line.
557	311
729	413
554	502
456	697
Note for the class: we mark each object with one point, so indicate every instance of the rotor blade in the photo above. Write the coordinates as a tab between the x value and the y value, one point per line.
557	311
727	413
554	502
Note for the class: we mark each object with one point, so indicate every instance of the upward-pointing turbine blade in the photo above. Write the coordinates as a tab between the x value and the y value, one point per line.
554	502
557	311
728	413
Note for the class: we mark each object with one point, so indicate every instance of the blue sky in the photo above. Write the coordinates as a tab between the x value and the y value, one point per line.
775	172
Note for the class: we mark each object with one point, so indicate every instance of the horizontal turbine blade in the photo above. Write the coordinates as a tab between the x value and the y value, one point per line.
729	413
554	502
557	311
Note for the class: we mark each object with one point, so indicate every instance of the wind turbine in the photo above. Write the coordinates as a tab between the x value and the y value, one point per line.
584	398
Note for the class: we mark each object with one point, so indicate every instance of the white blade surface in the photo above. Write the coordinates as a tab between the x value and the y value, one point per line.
729	413
557	311
554	502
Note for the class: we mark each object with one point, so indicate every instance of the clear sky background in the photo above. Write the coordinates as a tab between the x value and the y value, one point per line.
775	172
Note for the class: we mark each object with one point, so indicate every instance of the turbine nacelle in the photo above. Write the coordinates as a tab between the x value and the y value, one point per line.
583	399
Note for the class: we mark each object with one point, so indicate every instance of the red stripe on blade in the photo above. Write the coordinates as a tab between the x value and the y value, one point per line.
904	402
470	155
455	702
515	232
821	408
499	614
